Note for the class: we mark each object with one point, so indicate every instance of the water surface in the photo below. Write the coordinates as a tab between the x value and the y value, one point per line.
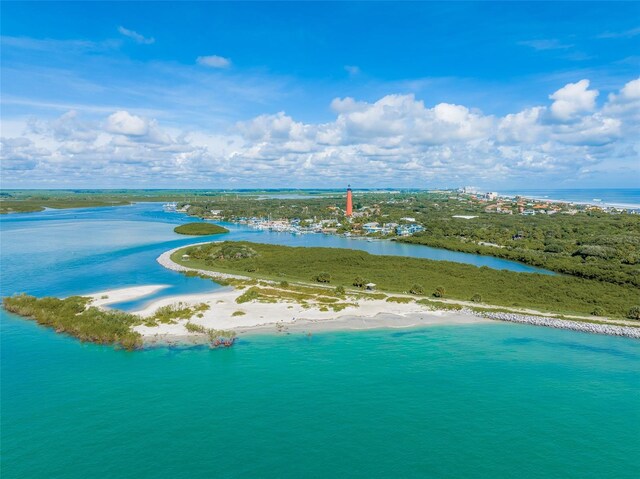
472	401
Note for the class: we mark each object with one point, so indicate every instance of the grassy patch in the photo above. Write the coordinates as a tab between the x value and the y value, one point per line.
399	299
170	313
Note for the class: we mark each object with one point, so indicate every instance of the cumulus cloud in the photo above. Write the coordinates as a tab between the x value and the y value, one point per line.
124	123
396	140
135	36
214	61
573	98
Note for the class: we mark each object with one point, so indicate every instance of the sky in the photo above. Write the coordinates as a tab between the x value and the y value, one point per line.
311	94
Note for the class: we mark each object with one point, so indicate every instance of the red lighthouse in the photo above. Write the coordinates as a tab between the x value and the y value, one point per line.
349	210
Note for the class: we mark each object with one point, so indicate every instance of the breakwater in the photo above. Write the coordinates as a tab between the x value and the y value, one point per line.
597	328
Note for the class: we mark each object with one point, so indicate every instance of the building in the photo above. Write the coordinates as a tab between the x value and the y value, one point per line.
349	210
408	230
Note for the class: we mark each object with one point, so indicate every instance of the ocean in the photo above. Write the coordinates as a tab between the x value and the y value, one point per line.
493	400
626	197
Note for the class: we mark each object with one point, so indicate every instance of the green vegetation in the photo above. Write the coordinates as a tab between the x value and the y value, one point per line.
561	294
417	289
200	229
238	313
399	299
170	313
575	240
293	294
217	337
439	292
592	245
359	282
634	312
323	278
476	298
73	317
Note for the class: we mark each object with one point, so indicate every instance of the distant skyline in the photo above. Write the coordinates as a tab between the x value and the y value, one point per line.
318	95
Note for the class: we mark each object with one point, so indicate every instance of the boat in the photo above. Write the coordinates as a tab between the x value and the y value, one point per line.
170	206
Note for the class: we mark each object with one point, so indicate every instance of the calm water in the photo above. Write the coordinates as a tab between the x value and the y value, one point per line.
483	401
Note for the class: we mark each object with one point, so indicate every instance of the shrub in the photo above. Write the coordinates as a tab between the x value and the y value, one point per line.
195	328
398	299
598	311
249	295
439	292
284	284
238	313
476	298
339	291
359	282
416	289
231	251
323	278
634	313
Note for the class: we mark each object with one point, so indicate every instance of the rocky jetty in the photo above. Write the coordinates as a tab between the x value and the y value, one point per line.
610	329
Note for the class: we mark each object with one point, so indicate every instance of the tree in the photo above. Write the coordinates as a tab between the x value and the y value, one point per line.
359	282
439	292
416	289
323	278
598	311
339	291
634	313
476	298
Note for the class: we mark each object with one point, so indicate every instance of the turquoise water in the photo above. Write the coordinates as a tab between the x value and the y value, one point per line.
480	401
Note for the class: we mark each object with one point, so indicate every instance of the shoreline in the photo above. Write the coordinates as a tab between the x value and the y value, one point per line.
602	203
224	313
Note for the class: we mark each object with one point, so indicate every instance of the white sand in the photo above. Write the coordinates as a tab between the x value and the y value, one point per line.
113	296
281	316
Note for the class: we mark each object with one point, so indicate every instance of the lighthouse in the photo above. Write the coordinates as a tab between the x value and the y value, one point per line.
349	210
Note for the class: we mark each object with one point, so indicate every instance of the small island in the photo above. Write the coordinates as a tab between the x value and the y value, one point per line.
200	229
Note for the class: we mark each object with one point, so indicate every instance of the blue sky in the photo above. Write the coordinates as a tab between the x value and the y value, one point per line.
317	94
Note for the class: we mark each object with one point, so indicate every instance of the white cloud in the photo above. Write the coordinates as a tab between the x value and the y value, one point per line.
624	34
396	140
214	61
573	98
124	123
135	36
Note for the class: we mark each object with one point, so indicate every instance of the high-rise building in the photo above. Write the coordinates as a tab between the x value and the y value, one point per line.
349	210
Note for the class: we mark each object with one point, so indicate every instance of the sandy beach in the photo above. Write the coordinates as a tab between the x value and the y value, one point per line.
121	295
225	314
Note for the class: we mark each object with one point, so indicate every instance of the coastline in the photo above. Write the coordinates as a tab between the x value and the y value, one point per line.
583	202
254	317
